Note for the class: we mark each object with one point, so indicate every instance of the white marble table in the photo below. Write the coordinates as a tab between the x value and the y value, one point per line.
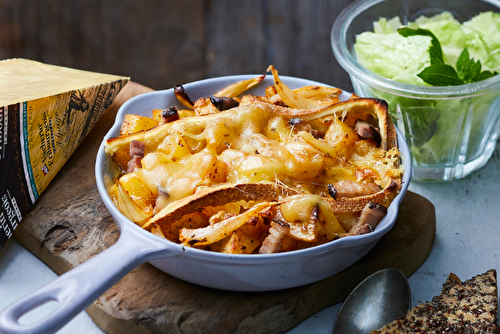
467	243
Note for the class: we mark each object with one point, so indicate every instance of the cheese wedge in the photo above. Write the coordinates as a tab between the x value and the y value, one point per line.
45	112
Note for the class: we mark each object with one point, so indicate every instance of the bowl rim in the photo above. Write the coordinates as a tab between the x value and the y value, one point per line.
355	241
348	61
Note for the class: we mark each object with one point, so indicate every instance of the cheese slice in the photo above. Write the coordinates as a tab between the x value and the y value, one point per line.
45	112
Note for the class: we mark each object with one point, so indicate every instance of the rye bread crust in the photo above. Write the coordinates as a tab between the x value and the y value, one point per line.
462	307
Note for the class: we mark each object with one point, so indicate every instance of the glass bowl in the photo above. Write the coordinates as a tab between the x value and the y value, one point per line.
452	131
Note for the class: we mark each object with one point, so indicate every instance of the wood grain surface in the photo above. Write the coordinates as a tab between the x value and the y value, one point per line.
161	43
69	224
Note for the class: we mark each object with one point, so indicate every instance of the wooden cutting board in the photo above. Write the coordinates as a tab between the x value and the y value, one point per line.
69	224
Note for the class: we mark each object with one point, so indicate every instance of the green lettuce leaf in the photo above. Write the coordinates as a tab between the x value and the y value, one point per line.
435	125
483	41
384	26
393	56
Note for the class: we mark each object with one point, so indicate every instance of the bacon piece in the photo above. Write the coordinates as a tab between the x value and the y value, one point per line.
348	188
370	217
134	163
359	230
367	131
169	115
136	151
302	125
372	214
223	103
137	148
272	244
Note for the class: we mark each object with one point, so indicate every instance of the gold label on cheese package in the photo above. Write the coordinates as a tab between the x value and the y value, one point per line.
38	135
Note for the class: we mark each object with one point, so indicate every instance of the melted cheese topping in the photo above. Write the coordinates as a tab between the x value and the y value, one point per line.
249	144
309	208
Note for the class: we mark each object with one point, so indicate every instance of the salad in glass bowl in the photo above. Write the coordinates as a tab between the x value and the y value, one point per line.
436	66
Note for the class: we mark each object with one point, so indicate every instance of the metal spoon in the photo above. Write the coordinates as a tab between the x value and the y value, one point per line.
378	300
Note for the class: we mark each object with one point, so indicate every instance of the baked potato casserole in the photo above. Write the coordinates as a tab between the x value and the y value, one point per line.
247	174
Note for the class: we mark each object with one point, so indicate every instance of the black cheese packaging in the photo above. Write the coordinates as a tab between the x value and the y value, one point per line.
45	112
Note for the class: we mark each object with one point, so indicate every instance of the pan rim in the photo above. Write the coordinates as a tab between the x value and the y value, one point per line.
385	226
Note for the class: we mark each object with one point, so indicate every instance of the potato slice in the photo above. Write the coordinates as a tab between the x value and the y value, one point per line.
239	87
182	96
218	231
291	98
138	191
135	123
203	106
210	197
129	208
321	93
310	216
240	243
342	138
174	146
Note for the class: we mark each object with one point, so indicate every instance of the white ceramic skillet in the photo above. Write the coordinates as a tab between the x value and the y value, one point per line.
79	287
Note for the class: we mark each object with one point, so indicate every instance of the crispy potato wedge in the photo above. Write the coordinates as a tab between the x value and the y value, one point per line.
138	192
240	243
135	123
203	106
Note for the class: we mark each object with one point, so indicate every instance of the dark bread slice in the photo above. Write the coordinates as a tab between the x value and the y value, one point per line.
462	307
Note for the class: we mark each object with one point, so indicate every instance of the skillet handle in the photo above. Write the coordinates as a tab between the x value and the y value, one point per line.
79	287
